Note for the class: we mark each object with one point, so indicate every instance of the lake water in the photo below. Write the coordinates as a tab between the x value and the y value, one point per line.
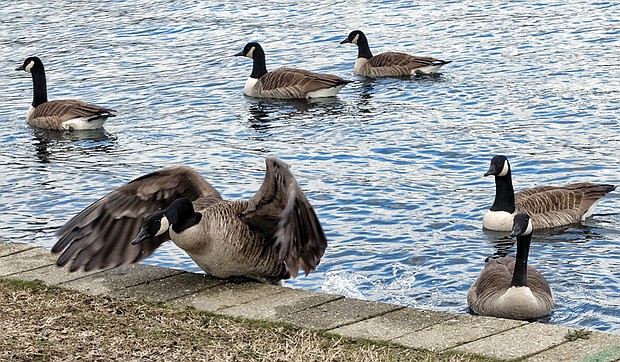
394	167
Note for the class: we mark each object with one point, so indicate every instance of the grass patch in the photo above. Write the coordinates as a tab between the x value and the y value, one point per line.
576	334
50	323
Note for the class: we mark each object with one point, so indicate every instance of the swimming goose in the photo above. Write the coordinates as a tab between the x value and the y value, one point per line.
286	83
265	238
509	288
548	206
66	114
389	64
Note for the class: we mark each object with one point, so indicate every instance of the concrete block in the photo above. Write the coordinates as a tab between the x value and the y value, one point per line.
25	260
280	307
392	325
7	248
168	288
456	330
337	313
519	342
109	280
53	275
228	295
599	347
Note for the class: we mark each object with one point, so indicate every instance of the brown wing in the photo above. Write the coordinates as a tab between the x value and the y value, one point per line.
295	83
550	205
67	109
399	63
281	210
100	236
496	276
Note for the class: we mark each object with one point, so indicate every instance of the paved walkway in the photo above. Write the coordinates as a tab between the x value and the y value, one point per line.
500	338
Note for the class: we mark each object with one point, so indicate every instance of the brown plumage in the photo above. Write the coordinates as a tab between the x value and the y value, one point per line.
266	238
548	206
66	114
508	287
286	83
389	64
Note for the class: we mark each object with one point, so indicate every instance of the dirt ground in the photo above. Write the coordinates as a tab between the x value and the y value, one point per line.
40	323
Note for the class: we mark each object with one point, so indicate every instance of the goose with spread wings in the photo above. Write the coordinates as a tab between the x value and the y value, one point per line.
266	238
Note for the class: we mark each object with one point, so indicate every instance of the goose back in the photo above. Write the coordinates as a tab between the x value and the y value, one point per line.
224	245
291	83
68	114
395	64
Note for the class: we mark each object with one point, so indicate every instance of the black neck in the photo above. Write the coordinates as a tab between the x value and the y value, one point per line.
519	276
260	67
504	194
39	85
186	223
363	50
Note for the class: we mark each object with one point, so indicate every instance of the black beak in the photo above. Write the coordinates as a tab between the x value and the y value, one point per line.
492	171
20	68
516	231
143	235
240	54
345	41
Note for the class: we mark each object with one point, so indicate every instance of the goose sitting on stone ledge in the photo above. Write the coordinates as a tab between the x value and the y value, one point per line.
508	287
266	238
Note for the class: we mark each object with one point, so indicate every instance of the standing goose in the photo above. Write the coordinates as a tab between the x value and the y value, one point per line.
548	206
509	288
66	114
389	64
286	83
265	238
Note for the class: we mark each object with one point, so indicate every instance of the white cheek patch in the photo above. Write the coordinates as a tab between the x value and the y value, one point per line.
505	169
250	53
530	227
29	66
164	226
354	40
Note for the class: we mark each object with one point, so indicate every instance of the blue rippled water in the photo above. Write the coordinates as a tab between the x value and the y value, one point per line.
393	166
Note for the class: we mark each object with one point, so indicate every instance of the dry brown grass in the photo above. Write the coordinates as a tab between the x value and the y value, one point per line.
42	323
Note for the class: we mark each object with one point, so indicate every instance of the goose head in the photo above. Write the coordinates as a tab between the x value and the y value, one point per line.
249	50
178	216
354	37
30	63
499	166
522	225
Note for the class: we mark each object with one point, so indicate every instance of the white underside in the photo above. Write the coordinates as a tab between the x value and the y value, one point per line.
520	303
83	123
498	220
429	69
327	92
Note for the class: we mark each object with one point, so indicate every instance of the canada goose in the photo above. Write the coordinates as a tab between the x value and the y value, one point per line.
265	238
509	288
548	206
66	114
286	83
389	64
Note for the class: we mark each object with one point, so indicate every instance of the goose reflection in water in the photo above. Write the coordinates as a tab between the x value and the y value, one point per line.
48	142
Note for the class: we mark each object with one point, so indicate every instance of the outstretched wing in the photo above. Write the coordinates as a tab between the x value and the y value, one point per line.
281	211
100	236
